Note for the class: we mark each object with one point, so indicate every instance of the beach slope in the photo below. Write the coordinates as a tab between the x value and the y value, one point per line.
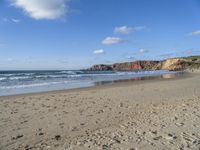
156	114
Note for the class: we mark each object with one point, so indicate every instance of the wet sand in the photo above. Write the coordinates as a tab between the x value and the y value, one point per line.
155	114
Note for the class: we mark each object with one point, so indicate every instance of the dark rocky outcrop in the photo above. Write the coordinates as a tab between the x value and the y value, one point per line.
101	67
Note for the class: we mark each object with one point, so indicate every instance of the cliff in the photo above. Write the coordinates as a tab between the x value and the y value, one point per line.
137	65
172	64
101	67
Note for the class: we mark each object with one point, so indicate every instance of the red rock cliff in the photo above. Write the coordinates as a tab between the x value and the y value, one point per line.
173	64
137	65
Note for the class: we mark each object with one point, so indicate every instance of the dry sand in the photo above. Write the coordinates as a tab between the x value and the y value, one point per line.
162	114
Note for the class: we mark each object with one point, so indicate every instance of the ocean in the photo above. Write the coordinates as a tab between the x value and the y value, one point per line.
21	82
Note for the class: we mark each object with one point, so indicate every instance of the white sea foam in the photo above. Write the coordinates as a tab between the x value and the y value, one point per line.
70	72
2	78
31	85
21	82
18	78
41	76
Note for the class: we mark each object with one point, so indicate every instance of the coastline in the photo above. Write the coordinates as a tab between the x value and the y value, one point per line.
150	114
114	83
21	82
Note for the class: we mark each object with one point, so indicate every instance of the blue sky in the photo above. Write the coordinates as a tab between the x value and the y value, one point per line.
74	34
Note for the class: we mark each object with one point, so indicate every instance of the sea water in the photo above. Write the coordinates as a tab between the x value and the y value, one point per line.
20	82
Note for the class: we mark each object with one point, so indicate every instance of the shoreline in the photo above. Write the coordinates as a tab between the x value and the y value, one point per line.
153	114
125	82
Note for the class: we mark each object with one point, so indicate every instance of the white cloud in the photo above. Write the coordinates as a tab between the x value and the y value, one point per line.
127	30
130	57
15	20
112	40
195	33
7	20
99	51
143	50
123	30
42	9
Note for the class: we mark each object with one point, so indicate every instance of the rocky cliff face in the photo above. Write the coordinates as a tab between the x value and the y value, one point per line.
137	65
172	64
101	67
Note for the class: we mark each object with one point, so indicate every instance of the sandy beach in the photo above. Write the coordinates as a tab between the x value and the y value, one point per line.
139	115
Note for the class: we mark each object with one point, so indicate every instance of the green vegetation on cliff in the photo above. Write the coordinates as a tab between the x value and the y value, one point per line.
192	62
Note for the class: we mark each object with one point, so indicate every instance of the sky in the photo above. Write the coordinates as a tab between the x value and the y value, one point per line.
75	34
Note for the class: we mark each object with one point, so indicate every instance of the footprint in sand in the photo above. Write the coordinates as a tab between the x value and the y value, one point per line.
170	136
157	138
194	139
17	137
179	124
